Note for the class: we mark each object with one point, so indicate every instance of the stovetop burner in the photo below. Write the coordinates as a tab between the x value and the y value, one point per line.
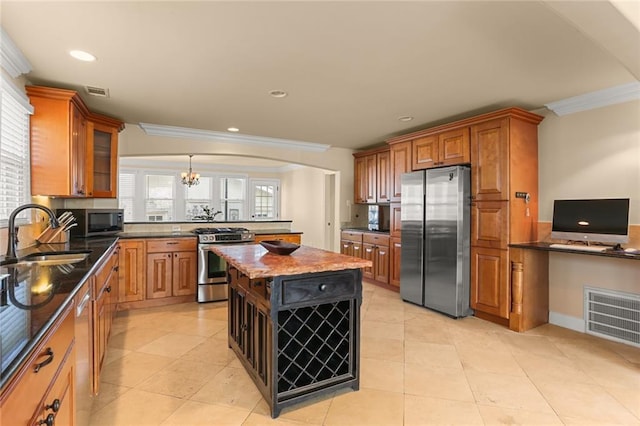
220	231
223	235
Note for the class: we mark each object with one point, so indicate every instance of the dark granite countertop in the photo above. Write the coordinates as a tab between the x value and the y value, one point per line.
21	287
620	254
167	234
366	230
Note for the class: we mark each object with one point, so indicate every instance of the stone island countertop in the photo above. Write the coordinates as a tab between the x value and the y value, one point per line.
256	262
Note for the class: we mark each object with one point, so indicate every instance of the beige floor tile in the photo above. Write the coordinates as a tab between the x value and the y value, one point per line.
530	344
378	313
422	380
539	368
181	379
214	350
114	354
382	375
193	413
135	337
586	349
231	386
256	419
628	397
506	391
432	354
312	411
588	403
384	349
630	353
464	338
384	330
489	361
200	326
366	407
425	329
420	410
172	345
612	372
505	416
107	393
136	408
133	369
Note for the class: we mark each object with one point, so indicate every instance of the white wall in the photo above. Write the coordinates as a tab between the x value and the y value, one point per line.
302	193
591	154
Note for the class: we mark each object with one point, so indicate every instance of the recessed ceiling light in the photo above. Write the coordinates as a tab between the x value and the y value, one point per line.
82	55
233	129
278	93
405	118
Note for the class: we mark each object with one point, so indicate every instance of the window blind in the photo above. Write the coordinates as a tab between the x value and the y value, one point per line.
14	151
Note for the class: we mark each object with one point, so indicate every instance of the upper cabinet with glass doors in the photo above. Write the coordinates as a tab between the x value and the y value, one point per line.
74	152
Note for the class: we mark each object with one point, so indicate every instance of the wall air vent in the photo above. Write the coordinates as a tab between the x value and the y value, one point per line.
97	91
613	315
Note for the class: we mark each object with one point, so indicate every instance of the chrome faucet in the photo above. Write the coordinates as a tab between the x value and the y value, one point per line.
12	237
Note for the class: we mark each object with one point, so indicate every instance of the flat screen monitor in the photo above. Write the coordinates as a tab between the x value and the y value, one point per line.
598	220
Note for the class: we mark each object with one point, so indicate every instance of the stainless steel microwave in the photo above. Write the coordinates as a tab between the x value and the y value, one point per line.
95	222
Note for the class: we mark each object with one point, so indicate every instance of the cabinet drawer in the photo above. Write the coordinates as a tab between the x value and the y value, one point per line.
376	239
318	288
351	236
24	393
169	245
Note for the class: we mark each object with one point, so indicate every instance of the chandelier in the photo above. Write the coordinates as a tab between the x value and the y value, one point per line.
190	178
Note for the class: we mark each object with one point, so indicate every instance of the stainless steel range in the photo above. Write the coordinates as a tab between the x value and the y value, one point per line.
212	269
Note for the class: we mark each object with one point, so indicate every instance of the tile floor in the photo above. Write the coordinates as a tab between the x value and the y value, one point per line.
171	366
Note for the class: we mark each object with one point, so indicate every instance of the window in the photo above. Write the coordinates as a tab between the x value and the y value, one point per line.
126	194
14	151
198	199
150	195
264	197
232	198
159	198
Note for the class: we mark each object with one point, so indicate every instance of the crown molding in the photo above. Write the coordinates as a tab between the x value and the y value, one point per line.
597	99
203	168
185	132
13	60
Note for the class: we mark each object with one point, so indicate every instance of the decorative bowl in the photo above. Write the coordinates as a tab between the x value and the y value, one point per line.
279	247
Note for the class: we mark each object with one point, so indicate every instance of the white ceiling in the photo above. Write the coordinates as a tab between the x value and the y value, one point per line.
350	68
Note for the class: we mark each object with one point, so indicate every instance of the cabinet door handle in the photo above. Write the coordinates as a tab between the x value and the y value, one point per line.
55	405
172	243
49	353
322	287
49	421
108	289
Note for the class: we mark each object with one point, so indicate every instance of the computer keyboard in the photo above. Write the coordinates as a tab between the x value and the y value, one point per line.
579	247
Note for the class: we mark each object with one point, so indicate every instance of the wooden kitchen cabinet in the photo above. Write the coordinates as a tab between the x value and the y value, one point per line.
395	252
490	292
62	128
400	160
441	149
102	156
131	270
104	306
376	249
290	238
171	267
47	375
490	165
351	243
372	176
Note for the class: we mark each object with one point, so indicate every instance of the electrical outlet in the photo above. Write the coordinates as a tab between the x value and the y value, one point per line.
521	194
175	228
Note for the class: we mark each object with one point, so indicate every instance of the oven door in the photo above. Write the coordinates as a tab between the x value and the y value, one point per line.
212	269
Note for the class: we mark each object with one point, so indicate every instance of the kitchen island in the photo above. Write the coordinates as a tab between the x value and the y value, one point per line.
294	320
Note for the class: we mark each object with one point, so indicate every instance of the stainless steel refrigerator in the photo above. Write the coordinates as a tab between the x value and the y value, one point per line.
435	213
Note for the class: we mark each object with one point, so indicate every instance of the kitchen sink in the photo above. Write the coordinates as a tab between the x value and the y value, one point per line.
54	258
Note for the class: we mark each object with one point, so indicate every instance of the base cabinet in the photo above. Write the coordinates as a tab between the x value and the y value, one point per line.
297	336
370	246
44	388
395	252
490	292
131	271
171	267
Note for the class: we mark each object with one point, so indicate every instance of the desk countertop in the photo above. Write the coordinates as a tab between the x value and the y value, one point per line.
620	254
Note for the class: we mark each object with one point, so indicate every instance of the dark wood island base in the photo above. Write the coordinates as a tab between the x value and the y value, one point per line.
298	335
